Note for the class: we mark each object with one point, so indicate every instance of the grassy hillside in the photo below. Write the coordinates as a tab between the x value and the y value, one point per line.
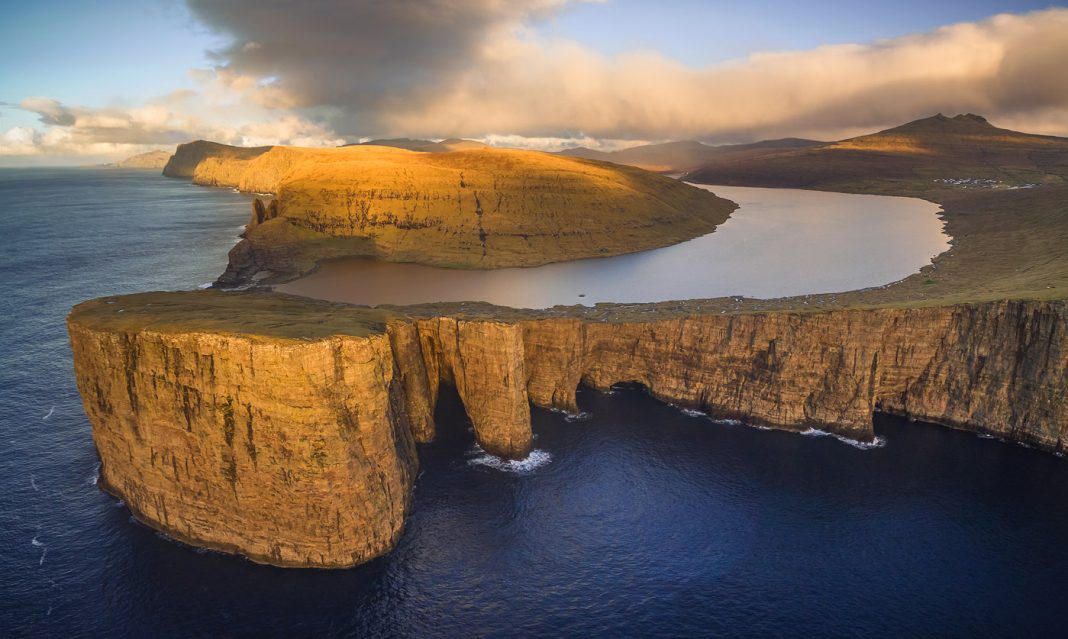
149	160
427	146
925	155
678	157
1008	241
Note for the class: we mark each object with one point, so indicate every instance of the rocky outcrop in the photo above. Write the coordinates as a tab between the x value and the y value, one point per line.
476	208
285	434
293	454
149	160
187	157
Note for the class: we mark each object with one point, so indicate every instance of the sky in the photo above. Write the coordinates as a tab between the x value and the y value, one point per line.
89	82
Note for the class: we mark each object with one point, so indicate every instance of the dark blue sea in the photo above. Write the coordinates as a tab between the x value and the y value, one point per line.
640	521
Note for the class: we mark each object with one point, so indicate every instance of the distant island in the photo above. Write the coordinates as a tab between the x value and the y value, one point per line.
150	160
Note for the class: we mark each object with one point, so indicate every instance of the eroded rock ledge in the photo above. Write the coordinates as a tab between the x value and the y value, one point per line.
284	429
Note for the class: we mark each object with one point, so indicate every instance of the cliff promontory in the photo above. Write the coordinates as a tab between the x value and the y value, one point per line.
148	160
283	429
188	156
480	208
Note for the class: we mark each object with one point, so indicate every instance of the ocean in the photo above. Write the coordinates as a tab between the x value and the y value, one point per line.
641	520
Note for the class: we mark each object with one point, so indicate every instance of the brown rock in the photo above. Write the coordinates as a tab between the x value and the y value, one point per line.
283	429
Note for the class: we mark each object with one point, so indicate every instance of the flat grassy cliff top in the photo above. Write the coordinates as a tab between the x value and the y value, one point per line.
211	311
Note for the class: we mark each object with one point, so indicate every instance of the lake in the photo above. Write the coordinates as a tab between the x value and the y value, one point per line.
779	243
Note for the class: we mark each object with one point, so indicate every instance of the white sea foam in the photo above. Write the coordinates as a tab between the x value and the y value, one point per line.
44	549
95	477
33	483
569	416
50	412
878	442
536	459
693	412
204	285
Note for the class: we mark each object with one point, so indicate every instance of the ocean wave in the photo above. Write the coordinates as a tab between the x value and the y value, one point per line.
50	413
43	546
693	412
204	285
536	459
569	416
95	477
878	442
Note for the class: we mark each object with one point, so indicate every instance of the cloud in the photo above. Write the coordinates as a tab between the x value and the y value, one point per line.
474	68
181	116
320	72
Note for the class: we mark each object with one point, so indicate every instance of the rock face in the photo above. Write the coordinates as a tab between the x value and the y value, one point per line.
149	160
290	453
188	156
293	443
479	208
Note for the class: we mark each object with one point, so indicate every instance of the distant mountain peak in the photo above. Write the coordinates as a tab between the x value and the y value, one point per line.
964	123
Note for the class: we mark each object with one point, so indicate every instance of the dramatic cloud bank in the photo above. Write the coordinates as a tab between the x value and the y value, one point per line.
469	68
323	70
109	132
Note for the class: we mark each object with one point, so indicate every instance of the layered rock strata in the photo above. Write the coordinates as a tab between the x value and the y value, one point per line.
477	208
283	429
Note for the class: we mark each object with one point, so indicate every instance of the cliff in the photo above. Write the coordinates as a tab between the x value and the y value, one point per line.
149	160
282	428
188	156
481	208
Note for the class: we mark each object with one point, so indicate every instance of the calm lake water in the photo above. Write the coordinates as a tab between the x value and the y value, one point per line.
640	521
780	242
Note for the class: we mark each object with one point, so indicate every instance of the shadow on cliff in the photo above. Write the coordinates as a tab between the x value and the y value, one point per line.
452	426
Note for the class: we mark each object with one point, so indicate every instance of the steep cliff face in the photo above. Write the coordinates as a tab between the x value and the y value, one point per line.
149	160
476	208
291	453
998	368
187	157
293	444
